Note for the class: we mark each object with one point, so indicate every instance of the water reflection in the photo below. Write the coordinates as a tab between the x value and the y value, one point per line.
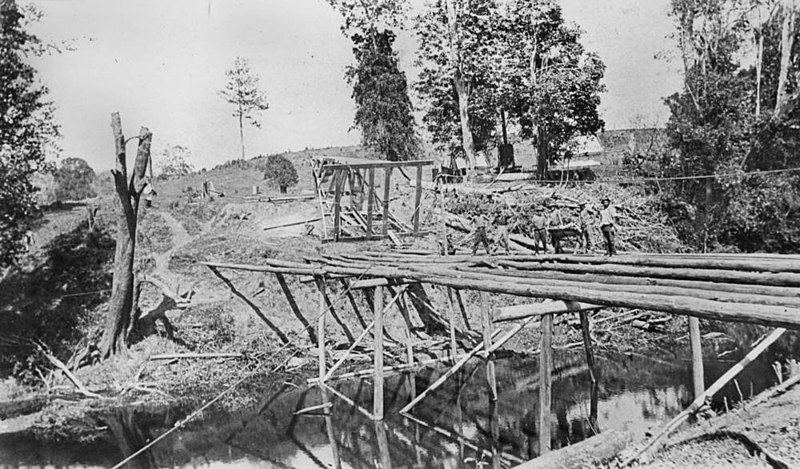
457	426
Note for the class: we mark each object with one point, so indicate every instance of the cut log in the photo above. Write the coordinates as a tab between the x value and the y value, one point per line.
591	452
512	313
787	279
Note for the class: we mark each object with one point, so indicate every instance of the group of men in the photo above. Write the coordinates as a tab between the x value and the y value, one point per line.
542	223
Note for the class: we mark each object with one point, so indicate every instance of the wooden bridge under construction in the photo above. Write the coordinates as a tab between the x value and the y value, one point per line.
757	289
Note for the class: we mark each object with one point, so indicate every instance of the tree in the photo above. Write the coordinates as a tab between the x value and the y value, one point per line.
383	108
174	162
74	178
123	302
456	39
27	129
384	113
242	90
549	83
280	171
732	119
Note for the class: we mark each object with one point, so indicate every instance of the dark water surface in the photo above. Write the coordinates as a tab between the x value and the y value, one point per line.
454	427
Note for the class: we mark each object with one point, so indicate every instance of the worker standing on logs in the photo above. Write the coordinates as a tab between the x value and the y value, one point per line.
608	225
480	234
585	215
539	222
501	220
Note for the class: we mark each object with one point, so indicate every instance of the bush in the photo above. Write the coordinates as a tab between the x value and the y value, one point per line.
74	178
280	171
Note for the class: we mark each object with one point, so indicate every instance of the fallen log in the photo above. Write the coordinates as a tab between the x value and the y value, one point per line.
177	356
591	452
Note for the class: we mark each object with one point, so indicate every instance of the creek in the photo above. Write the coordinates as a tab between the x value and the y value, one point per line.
454	427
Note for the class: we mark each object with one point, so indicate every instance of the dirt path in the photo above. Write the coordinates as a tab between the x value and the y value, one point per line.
180	238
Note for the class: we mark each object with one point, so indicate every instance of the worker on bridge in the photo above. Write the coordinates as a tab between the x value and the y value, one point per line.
608	225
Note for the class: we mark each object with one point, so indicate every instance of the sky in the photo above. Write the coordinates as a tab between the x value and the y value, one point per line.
162	63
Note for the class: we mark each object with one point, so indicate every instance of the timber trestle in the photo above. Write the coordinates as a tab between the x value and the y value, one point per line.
754	289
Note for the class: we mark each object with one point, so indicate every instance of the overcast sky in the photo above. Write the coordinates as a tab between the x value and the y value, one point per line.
161	63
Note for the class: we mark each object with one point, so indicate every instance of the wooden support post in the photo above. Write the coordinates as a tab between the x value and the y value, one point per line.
387	180
486	321
326	298
337	460
451	318
587	344
463	309
370	200
697	357
295	308
377	401
338	180
383	446
464	359
323	311
545	383
348	291
417	200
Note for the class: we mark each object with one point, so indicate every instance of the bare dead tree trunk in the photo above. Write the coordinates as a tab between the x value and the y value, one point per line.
241	129
460	85
118	318
787	41
759	68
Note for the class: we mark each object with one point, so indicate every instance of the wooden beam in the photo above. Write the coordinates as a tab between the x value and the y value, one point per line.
324	291
462	308
713	389
417	200
370	200
512	313
443	378
323	311
387	181
545	382
375	282
451	318
339	177
486	323
353	303
377	396
381	164
295	308
587	344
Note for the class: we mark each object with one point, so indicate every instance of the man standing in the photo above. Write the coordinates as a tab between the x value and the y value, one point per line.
608	225
539	230
585	223
480	234
502	221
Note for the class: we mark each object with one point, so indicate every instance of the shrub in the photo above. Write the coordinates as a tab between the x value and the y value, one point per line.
74	178
280	171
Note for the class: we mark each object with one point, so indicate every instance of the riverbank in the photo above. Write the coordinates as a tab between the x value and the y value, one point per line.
764	434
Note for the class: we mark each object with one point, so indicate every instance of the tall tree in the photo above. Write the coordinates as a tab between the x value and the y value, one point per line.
27	129
122	305
550	83
384	113
242	90
383	108
457	39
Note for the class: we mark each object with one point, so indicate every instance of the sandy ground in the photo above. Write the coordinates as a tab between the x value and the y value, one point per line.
773	425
